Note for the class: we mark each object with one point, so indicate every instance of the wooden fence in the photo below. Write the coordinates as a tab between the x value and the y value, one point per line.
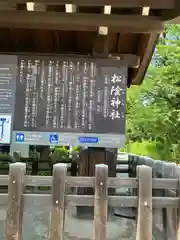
165	170
144	201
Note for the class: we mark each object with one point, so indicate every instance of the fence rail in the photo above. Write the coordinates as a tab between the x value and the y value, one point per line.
145	202
157	183
165	170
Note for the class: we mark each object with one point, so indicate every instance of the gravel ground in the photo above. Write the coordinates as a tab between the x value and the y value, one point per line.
35	227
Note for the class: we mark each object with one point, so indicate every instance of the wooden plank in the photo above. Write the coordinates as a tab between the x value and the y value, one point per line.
175	222
154	4
100	46
146	58
158	183
76	181
164	183
90	182
80	21
169	217
174	21
144	218
100	202
178	194
57	217
114	201
88	200
174	13
7	5
39	7
15	205
131	60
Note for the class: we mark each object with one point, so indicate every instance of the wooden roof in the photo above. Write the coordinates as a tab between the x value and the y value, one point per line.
48	27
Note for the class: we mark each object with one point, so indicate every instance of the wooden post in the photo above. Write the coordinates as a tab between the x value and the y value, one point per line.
92	156
144	222
100	202
14	215
169	220
169	214
56	229
178	220
87	162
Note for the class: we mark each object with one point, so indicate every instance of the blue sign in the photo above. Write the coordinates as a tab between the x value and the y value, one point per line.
19	137
88	140
3	120
54	139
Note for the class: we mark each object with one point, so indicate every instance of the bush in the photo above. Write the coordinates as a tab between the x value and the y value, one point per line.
153	149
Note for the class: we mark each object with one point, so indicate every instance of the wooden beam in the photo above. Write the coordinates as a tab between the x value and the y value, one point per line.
131	60
80	21
146	59
7	6
100	46
40	7
154	4
174	21
168	15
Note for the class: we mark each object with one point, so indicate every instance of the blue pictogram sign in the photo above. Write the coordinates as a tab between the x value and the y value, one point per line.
19	137
2	120
88	139
54	139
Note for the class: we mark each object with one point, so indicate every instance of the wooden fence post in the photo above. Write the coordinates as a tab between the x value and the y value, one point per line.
57	216
144	218
101	202
178	194
14	215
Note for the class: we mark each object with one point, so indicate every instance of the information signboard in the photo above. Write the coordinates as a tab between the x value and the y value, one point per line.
8	70
67	100
5	129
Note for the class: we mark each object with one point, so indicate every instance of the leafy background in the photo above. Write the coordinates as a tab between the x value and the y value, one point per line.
153	109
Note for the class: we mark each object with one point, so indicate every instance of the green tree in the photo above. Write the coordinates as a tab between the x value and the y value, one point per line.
153	109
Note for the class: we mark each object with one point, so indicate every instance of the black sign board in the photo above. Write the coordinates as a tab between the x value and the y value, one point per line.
72	95
8	66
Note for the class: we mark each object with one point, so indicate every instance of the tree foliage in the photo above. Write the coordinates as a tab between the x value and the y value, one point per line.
153	109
